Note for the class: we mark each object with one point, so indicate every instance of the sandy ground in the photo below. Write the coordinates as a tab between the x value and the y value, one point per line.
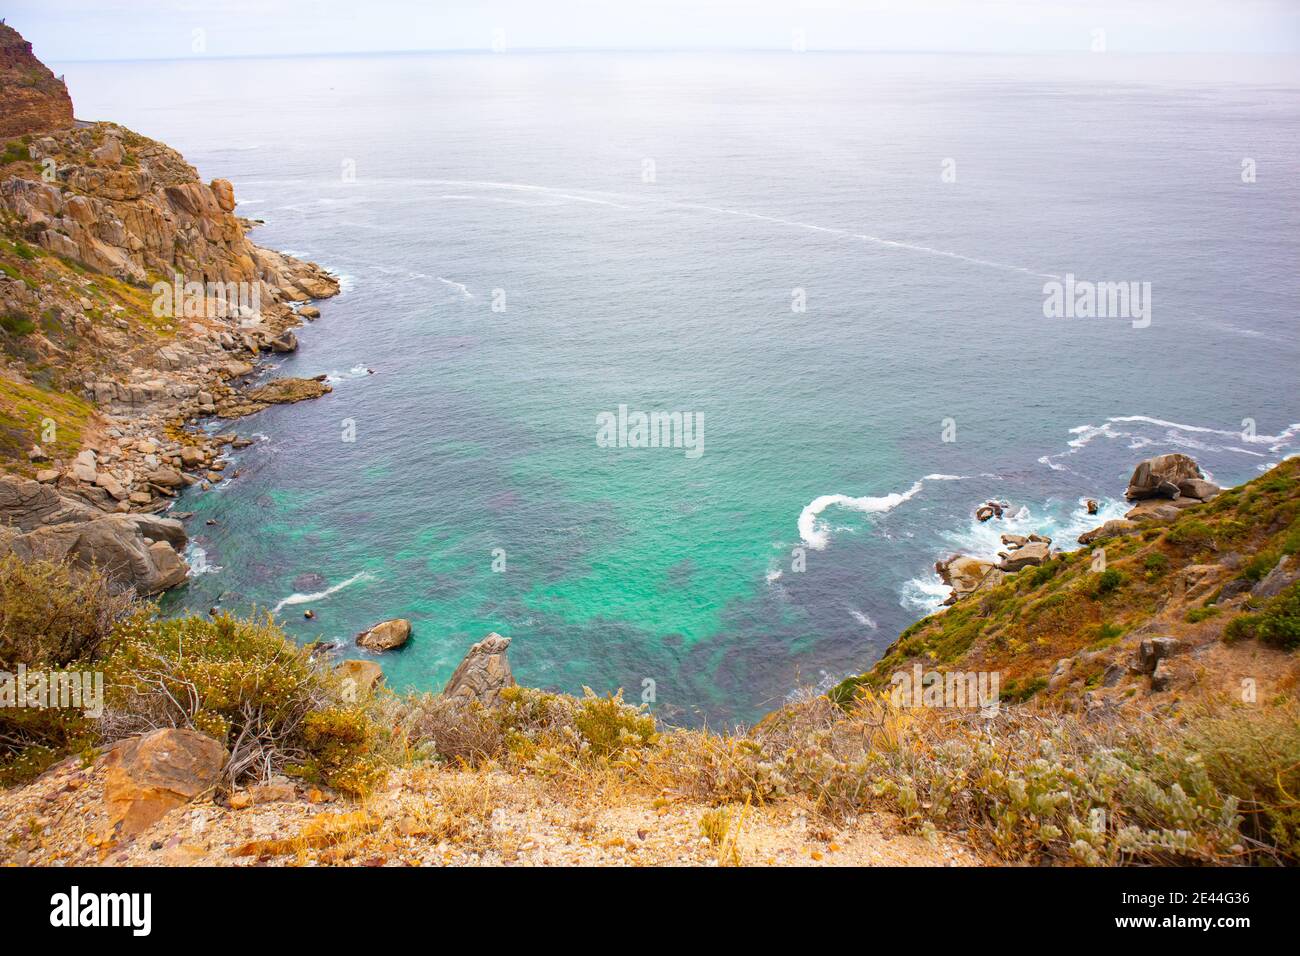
432	817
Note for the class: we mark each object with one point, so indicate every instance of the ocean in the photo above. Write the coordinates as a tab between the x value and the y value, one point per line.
833	265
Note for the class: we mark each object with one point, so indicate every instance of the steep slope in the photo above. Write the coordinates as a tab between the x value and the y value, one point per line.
1145	616
132	304
35	101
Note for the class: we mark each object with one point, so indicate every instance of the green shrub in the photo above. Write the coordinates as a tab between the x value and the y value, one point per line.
1277	623
1257	568
15	152
17	325
54	621
1156	564
1255	756
610	727
242	682
1190	533
1106	635
1016	691
1198	614
1044	572
1109	580
53	616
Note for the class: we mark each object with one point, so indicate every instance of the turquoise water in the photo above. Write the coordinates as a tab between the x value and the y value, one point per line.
476	434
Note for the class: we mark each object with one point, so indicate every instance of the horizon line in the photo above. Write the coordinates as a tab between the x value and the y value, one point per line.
485	51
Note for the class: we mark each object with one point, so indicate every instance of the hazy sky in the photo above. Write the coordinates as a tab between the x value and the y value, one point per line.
148	29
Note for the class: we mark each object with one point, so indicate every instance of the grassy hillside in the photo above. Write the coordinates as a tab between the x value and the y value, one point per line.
1188	579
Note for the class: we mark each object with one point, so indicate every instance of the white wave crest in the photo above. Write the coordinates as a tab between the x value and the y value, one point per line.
862	619
1176	435
458	286
356	371
320	595
925	594
620	200
816	535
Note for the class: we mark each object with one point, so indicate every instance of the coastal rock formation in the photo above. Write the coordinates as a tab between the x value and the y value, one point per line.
1284	574
1111	529
1163	477
483	674
386	635
281	391
133	304
35	100
1024	552
967	576
133	208
135	551
155	773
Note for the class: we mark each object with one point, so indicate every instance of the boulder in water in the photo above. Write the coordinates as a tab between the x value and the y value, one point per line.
1159	477
386	635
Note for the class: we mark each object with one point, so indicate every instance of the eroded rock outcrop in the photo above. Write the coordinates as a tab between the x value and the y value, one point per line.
967	576
1169	476
135	551
281	391
142	306
483	674
359	678
1024	551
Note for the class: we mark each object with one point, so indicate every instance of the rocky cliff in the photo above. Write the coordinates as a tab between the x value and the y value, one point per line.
132	304
35	100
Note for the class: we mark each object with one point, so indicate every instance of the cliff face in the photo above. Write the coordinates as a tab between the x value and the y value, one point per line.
132	208
34	99
131	304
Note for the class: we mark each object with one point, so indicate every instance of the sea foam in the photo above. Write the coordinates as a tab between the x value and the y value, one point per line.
816	535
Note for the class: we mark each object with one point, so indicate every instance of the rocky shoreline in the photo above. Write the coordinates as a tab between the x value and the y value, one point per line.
135	309
1160	489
